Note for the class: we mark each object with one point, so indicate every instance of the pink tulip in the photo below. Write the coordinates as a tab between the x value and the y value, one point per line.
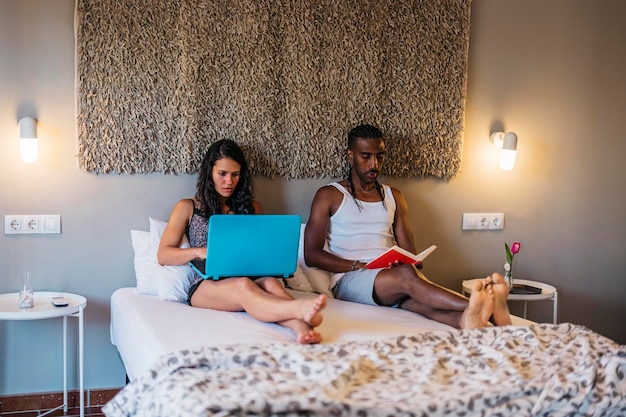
515	247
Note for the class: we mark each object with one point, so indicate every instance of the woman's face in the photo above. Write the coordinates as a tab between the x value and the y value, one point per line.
226	173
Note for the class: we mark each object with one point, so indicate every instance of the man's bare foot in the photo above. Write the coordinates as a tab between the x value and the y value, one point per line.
311	310
501	315
480	307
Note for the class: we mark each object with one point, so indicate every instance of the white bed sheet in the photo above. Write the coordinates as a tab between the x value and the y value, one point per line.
143	327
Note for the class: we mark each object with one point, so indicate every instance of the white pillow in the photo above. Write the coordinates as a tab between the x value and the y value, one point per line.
173	281
145	262
308	278
299	281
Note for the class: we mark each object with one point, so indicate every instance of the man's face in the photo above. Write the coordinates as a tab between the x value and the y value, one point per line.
367	158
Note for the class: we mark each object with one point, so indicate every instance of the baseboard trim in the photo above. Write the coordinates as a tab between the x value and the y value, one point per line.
49	400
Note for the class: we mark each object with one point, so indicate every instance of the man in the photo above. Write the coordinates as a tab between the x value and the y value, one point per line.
361	218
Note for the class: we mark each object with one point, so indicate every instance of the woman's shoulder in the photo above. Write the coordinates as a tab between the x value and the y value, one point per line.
187	202
186	205
258	209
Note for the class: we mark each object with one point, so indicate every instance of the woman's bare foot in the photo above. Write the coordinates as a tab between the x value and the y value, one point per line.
311	310
501	315
310	337
480	307
305	334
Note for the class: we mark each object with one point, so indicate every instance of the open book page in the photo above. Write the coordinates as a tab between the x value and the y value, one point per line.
396	254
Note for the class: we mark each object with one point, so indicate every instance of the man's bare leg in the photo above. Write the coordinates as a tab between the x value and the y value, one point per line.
480	307
449	317
501	315
416	293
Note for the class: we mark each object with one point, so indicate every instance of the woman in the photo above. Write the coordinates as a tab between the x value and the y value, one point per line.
225	187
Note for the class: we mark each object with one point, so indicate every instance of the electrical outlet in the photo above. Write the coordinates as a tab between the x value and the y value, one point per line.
18	224
12	223
483	221
32	223
496	221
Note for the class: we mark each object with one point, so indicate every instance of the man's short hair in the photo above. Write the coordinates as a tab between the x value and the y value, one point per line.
363	132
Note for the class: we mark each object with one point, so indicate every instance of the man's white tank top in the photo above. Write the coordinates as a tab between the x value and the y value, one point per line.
361	234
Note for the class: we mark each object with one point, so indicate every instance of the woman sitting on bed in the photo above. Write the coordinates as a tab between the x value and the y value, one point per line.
225	187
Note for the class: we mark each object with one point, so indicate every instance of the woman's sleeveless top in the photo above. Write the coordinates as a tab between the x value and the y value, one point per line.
197	231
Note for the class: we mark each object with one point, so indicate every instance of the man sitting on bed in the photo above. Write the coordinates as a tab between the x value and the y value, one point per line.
361	217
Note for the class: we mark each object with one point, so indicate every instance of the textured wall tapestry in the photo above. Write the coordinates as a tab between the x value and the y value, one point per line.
158	81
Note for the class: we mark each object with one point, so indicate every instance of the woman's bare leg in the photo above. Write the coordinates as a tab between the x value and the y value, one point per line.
243	294
305	333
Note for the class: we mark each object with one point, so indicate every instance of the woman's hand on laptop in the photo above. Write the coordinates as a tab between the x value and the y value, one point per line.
200	253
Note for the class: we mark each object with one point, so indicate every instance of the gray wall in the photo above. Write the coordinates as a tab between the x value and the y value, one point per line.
550	71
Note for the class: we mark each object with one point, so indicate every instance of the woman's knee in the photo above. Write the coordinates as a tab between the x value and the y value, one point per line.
244	284
273	285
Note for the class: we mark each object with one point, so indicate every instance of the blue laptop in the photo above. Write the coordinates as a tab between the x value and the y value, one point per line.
250	245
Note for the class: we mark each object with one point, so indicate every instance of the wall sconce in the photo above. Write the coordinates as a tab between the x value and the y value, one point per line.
29	144
508	142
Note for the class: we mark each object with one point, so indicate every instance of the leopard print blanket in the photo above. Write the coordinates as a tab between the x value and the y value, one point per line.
538	370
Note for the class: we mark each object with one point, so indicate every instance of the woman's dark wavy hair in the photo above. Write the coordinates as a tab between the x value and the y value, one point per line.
240	202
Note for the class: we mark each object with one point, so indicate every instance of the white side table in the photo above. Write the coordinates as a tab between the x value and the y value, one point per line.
548	292
44	309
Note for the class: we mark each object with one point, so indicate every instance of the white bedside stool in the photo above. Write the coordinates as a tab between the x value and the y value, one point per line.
44	309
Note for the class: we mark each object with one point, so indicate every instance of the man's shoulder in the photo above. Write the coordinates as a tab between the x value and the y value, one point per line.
330	188
394	190
397	195
328	194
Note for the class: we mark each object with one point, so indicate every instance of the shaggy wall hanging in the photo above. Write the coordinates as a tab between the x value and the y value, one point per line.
158	81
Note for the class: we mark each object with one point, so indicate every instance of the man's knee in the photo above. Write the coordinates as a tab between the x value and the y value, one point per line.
399	273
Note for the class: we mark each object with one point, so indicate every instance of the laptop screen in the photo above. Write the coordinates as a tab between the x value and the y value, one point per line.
252	245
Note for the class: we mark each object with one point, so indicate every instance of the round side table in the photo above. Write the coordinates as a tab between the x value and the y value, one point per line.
548	292
44	309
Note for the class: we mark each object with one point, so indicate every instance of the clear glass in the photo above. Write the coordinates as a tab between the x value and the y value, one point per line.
508	278
27	300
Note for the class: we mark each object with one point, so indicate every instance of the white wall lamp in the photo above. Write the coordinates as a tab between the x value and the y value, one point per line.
29	144
508	142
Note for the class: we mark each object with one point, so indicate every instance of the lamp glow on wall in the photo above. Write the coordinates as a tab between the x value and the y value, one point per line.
508	142
29	144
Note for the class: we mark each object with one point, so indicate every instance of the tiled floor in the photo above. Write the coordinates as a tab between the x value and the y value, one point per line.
38	404
71	412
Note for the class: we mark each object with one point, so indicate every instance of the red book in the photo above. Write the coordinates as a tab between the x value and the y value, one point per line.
397	254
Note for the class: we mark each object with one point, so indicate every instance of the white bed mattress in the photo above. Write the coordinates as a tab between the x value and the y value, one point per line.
366	365
143	327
